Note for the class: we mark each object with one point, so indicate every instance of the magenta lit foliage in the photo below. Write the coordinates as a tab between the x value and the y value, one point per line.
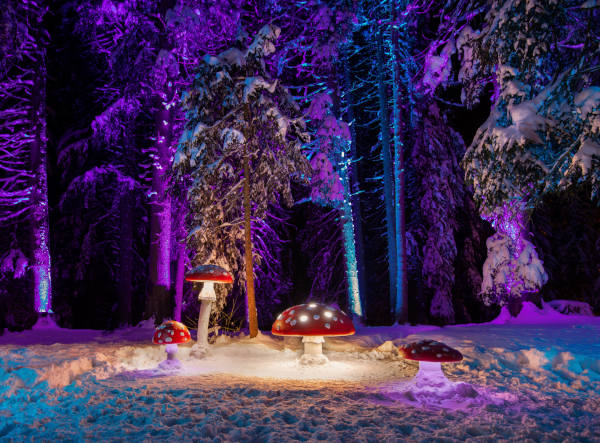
512	268
510	220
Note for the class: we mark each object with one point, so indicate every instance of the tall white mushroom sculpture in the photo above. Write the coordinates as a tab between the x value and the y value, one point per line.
209	275
312	322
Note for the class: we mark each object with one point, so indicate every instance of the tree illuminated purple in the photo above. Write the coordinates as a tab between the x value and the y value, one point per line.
512	268
151	49
331	166
23	139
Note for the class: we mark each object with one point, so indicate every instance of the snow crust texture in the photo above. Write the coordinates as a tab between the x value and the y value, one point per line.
534	378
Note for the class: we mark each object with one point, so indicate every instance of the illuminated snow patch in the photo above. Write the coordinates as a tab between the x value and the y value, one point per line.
260	360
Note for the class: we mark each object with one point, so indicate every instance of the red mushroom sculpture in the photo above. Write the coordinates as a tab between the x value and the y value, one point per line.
430	354
312	321
171	333
209	275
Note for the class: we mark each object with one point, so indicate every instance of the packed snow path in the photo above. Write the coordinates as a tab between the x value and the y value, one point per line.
518	382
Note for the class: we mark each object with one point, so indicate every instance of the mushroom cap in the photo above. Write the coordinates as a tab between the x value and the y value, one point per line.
171	332
312	319
209	273
430	350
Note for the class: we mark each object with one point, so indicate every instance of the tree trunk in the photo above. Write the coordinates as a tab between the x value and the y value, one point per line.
354	189
160	220
252	316
125	288
388	180
343	159
401	305
40	230
179	277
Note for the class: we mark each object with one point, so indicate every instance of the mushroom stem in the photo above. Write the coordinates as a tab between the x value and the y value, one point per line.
206	296
430	375
313	345
171	363
203	318
171	351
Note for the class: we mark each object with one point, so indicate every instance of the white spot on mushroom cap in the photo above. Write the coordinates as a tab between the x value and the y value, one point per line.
312	305
327	314
293	322
327	325
168	339
280	316
303	318
316	316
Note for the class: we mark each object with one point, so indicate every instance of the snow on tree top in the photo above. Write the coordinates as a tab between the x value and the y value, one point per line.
264	40
526	120
253	84
588	101
583	158
231	56
232	136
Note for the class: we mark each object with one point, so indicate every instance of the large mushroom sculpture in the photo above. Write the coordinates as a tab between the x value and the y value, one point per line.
171	333
209	275
430	354
312	322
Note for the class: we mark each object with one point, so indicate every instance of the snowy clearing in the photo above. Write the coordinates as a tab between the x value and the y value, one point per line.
533	378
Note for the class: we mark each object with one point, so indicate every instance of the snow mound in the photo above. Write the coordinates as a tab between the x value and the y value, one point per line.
530	314
571	307
455	396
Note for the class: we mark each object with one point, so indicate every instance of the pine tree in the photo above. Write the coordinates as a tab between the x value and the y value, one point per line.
150	49
242	149
543	133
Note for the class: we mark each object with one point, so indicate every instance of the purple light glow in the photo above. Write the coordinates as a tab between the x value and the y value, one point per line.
510	220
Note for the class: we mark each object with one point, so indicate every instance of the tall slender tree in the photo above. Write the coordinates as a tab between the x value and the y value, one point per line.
23	138
242	148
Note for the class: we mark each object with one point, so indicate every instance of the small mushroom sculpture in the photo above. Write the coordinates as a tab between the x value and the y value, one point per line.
312	322
430	354
209	275
171	333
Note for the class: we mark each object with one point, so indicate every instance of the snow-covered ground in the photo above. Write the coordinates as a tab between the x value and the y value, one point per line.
533	378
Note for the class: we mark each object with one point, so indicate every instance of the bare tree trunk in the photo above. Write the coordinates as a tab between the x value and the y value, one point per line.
160	221
388	179
40	229
343	159
354	188
179	276
125	288
252	315
401	301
